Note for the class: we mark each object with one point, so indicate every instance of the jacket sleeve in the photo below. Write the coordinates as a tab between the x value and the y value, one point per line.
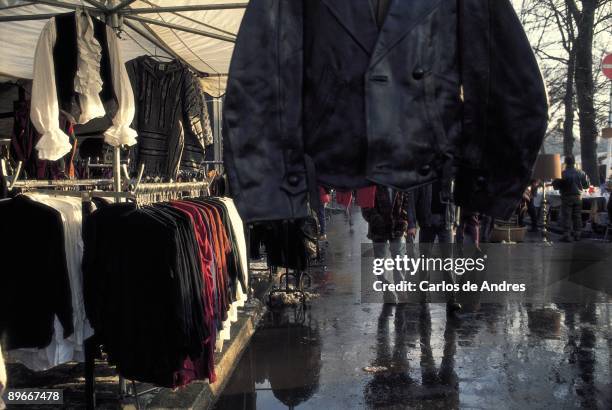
120	132
194	110
505	108
44	111
262	133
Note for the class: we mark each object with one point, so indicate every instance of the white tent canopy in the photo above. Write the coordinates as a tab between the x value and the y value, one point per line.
199	32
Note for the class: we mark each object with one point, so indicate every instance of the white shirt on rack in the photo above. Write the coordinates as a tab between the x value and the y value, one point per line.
62	350
44	111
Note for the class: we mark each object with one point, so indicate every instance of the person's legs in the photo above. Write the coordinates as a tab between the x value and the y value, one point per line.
427	234
533	215
444	234
470	229
577	216
566	217
521	216
322	221
380	249
397	248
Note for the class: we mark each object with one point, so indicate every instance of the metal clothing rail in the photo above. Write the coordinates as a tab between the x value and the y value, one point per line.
155	187
68	183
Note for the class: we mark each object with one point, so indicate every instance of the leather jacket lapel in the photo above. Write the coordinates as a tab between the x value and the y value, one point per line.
402	17
356	17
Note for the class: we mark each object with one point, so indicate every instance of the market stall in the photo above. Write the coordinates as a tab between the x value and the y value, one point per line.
114	112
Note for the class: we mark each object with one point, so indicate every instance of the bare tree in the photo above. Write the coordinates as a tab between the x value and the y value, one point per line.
570	37
585	85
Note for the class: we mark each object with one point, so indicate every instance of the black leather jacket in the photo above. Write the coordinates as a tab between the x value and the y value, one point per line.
318	95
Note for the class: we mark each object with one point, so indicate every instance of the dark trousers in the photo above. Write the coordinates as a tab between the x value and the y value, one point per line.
429	234
533	215
427	237
322	219
571	214
437	230
468	231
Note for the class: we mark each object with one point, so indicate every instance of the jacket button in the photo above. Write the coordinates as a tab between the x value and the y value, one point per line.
425	170
418	73
293	179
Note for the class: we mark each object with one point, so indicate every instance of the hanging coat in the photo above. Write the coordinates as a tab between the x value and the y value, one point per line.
318	94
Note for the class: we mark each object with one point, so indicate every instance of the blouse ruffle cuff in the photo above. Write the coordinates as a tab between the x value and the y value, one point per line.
53	145
118	135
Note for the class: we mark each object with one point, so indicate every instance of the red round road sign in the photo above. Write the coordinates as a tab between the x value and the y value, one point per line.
607	66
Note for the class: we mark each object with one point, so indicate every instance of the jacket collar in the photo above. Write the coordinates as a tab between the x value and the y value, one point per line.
403	16
357	17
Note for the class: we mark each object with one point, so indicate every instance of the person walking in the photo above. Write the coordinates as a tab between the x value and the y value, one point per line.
435	218
389	222
324	199
573	181
533	207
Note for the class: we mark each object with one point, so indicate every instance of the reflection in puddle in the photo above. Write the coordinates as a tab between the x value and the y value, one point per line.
282	364
343	354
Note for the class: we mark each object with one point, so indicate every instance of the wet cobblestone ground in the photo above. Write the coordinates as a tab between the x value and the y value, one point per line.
341	354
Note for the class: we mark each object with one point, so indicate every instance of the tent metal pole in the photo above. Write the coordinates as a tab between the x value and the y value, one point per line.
67	5
148	37
98	5
121	6
195	7
26	17
181	28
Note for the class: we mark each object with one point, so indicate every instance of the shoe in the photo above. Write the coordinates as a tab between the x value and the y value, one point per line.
453	307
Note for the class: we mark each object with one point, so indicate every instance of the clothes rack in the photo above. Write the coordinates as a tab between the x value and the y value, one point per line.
114	188
86	190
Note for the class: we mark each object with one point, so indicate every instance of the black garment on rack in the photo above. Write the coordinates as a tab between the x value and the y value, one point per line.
34	289
171	119
143	290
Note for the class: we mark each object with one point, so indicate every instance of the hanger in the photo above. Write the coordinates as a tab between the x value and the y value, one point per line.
3	171
157	56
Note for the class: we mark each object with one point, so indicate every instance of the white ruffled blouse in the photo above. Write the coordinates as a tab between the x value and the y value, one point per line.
44	112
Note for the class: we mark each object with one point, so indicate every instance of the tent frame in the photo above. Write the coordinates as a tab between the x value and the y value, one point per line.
118	13
122	10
